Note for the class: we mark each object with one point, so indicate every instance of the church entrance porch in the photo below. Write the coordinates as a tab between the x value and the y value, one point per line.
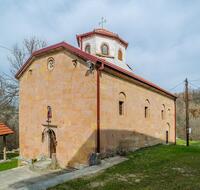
49	138
52	143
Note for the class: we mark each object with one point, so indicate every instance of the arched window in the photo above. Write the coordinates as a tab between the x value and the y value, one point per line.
163	112
104	49
122	98
147	109
120	55
87	48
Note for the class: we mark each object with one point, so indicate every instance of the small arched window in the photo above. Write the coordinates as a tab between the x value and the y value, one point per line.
104	49
163	112
122	98
87	48
147	109
168	111
120	55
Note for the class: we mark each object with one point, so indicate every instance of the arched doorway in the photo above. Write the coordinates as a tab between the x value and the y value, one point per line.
51	141
167	133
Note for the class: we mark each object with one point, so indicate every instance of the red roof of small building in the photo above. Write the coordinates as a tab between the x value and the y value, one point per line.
5	130
101	32
86	57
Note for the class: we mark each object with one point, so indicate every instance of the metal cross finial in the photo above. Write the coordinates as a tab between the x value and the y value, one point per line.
102	22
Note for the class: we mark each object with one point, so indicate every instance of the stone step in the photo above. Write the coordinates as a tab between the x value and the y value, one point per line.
42	165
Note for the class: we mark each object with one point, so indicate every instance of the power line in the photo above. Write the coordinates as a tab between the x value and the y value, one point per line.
194	85
176	86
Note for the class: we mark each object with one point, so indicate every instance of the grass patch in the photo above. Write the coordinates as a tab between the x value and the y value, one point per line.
11	163
191	143
8	165
155	168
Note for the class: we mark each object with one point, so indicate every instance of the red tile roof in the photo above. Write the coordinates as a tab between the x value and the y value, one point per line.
92	58
4	130
101	32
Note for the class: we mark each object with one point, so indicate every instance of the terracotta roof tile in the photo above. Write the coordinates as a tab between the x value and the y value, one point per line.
92	58
102	32
5	130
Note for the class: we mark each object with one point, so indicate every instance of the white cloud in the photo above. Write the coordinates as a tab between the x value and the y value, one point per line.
163	36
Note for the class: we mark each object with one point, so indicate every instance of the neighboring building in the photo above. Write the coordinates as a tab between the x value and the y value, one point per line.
95	102
4	132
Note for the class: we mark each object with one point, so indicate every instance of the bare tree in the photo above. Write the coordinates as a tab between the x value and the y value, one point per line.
34	44
9	87
19	54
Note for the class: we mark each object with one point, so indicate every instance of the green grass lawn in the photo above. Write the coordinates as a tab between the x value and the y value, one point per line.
11	163
191	143
156	168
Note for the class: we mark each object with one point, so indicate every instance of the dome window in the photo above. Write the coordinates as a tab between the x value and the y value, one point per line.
87	48
104	49
120	55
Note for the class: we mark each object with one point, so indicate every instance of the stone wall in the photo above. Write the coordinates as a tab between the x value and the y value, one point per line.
133	124
71	92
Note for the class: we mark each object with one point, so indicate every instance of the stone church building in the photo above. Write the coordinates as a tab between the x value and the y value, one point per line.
79	101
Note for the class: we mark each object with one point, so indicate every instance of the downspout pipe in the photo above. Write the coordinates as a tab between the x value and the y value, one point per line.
99	68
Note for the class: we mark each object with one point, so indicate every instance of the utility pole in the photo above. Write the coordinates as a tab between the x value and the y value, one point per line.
187	111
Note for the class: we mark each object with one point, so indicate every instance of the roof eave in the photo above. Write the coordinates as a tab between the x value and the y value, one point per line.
140	79
34	54
85	35
90	57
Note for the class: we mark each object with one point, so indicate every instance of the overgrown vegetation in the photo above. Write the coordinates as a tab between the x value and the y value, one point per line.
194	110
160	167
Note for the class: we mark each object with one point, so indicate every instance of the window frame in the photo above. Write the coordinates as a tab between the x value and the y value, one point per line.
88	45
147	109
108	49
163	112
122	104
121	107
120	55
146	112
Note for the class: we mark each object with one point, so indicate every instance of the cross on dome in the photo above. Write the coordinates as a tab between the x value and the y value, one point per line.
102	22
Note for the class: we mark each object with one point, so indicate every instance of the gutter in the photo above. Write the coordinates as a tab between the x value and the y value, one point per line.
100	67
94	59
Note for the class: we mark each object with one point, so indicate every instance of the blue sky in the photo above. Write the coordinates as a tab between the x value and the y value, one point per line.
163	35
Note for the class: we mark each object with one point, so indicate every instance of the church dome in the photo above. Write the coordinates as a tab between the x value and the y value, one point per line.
101	32
105	44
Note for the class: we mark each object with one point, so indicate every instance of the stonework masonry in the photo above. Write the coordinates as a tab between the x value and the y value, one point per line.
71	92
